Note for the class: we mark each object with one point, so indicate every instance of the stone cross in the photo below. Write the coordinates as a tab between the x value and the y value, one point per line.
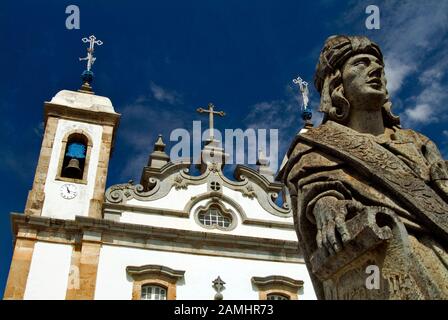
90	58
218	285
211	112
303	86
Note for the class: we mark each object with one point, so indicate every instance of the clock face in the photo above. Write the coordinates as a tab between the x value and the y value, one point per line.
69	191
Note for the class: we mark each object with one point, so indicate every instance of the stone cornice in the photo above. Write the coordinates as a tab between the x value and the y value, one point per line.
261	282
118	209
259	179
161	173
155	238
156	270
76	114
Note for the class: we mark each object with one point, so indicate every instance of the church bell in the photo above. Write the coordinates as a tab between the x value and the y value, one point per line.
73	170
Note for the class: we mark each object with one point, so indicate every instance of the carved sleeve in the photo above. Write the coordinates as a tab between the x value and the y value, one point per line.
313	177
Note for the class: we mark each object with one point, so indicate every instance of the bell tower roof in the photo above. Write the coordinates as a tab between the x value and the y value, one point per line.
85	101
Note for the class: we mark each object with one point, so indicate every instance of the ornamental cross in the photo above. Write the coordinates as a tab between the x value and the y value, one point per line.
303	86
211	112
218	284
90	58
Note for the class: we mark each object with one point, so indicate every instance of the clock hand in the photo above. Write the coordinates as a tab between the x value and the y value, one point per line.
67	189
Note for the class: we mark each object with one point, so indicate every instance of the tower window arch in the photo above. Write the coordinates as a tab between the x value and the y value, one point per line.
75	154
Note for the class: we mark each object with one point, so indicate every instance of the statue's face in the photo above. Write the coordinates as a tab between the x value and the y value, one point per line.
364	82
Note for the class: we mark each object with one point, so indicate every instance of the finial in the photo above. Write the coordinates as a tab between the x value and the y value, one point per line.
303	87
87	75
158	158
262	160
218	285
159	145
263	166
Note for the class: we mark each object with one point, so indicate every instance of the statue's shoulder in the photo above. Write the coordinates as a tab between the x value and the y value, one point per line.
307	153
416	136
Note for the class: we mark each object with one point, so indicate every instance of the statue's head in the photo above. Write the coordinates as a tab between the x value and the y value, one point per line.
350	73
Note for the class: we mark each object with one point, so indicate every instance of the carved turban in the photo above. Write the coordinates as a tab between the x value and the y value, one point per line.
337	50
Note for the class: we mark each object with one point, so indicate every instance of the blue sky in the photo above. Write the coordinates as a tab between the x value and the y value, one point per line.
163	59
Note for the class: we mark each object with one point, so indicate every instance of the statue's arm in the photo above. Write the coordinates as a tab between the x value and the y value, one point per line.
323	199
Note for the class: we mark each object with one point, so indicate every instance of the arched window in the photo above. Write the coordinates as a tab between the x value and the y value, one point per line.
74	157
153	292
214	217
277	296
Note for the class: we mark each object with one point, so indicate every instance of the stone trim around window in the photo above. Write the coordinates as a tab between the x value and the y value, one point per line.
62	155
222	209
154	275
280	285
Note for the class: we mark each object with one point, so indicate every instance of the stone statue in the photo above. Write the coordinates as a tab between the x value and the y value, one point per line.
370	199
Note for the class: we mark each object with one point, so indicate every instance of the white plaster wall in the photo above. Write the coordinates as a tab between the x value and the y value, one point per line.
190	224
252	207
54	205
49	270
200	271
175	199
178	199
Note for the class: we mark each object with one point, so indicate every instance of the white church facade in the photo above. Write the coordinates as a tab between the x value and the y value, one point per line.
172	236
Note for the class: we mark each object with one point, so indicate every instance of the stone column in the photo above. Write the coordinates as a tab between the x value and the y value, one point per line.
36	196
84	267
20	265
95	208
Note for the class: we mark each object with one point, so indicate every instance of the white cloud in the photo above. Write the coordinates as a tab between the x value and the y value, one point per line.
409	32
420	113
430	103
396	73
165	95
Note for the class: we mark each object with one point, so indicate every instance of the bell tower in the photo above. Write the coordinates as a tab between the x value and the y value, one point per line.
78	138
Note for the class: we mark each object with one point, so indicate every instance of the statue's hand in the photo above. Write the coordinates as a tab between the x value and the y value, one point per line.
330	214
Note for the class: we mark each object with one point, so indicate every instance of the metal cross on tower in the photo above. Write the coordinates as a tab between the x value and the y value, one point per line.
211	112
90	58
303	87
